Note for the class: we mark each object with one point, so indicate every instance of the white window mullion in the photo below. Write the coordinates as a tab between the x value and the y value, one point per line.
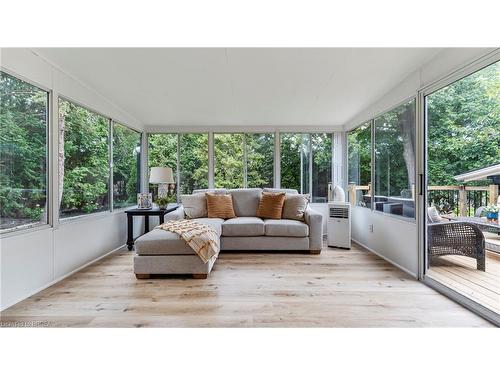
277	160
211	160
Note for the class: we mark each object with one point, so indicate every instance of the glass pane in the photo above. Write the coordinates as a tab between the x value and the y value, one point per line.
463	122
228	160
23	153
395	161
463	148
260	160
193	162
162	152
305	163
126	165
322	166
290	160
359	164
84	169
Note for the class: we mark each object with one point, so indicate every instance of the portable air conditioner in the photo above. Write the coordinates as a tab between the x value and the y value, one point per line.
339	225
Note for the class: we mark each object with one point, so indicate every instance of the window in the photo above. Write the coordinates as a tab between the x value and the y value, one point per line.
228	160
84	164
260	160
321	145
359	164
126	165
163	153
193	162
306	163
395	161
292	160
23	153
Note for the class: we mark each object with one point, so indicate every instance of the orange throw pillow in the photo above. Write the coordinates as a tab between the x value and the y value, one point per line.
220	206
271	205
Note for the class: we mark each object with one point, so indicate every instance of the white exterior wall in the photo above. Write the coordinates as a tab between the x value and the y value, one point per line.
34	259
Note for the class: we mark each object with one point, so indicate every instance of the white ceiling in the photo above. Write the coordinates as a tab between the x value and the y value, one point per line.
238	86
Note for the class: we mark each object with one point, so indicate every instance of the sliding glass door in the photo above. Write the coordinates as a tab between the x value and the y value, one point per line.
462	138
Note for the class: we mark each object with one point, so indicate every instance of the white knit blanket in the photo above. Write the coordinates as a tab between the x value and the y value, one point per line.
200	237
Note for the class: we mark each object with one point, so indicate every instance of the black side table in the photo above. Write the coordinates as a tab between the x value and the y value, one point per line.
155	211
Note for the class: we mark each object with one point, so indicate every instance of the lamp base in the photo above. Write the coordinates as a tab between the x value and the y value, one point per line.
162	190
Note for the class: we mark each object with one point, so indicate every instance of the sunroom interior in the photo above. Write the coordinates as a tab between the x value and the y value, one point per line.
89	124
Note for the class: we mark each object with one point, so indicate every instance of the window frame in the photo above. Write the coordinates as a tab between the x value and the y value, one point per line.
372	120
49	222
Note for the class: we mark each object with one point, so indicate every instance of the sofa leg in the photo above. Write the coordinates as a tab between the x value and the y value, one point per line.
142	275
200	275
315	252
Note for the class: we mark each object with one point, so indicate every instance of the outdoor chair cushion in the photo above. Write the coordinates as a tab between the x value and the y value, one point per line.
243	227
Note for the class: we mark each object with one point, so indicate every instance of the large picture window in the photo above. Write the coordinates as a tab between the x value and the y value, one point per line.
84	160
260	160
193	162
162	152
395	161
359	165
306	163
23	153
126	165
229	160
321	147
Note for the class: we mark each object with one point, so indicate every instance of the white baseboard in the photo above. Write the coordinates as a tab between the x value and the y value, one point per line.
62	277
386	259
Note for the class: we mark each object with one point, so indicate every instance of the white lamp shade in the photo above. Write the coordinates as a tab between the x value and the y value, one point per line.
161	175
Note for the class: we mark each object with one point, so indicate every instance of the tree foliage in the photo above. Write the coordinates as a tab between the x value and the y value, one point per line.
23	152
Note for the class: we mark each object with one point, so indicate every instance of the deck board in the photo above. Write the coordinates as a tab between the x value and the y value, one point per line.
460	274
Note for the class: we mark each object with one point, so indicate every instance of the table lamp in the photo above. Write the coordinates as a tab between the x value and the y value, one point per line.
162	176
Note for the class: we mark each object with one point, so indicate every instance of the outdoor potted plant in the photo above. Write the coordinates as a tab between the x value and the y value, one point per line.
491	212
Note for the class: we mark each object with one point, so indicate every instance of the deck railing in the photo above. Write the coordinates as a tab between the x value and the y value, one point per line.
460	200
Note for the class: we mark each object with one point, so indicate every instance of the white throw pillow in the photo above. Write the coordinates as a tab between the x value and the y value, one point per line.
434	215
294	207
195	205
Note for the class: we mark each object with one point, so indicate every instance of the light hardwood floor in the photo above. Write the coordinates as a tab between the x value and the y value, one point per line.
337	288
460	274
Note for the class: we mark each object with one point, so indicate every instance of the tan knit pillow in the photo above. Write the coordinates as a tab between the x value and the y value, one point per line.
271	205
220	206
294	207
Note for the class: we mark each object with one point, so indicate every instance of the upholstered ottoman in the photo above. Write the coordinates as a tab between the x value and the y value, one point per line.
161	252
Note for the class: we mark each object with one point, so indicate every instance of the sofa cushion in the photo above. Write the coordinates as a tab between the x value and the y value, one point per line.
216	191
220	206
195	205
243	227
285	228
245	201
294	207
271	205
288	191
162	242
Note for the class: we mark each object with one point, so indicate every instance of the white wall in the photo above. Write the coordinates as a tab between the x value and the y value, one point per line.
32	260
393	238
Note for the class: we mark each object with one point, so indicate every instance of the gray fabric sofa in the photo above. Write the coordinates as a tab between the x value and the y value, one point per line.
162	252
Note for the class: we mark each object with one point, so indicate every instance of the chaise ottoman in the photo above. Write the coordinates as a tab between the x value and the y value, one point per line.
160	252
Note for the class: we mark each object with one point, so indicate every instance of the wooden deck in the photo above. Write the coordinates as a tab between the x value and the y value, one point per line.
337	288
460	274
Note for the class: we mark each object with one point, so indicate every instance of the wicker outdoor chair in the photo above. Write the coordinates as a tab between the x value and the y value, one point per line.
456	238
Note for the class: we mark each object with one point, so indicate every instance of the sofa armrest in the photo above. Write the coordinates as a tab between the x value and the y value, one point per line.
315	221
178	214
